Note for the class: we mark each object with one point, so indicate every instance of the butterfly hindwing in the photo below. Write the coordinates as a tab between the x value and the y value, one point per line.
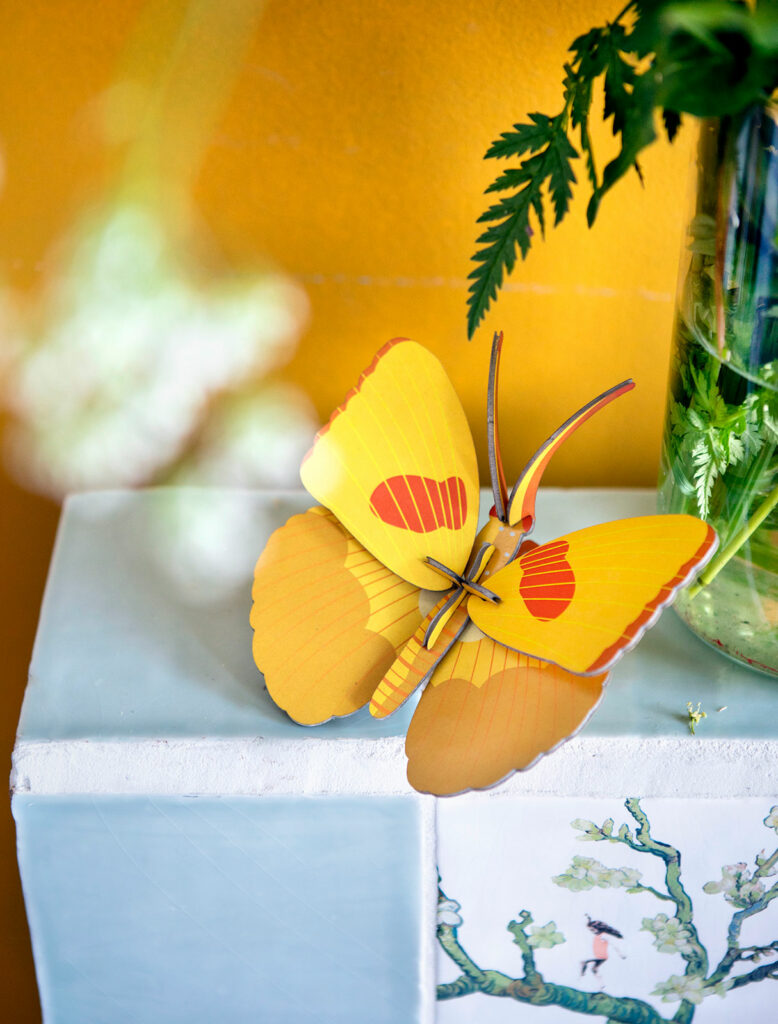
582	600
328	618
489	711
396	464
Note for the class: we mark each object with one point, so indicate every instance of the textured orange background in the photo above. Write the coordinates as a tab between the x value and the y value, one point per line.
349	154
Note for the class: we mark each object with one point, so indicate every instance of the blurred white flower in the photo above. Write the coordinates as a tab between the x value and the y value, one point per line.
719	989
131	351
254	440
670	935
690	987
737	885
625	878
677	987
448	913
545	936
586	873
591	833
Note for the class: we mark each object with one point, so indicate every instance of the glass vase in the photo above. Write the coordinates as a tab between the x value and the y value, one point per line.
720	449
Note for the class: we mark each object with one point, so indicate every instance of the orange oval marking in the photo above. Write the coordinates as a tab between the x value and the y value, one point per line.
548	584
420	504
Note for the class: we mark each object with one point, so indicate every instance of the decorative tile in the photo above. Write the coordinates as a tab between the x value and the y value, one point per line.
558	887
194	910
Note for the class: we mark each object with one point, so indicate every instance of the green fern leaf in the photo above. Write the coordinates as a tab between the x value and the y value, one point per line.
548	165
560	153
498	255
705	473
525	138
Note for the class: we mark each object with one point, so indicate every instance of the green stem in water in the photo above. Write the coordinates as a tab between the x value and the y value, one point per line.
747	489
731	549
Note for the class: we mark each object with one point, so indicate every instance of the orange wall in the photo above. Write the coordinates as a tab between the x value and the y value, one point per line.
348	152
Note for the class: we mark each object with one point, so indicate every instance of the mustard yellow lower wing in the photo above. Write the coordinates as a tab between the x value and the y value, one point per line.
489	711
328	618
582	600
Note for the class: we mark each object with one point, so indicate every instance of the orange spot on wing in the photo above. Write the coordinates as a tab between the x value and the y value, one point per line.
420	504
548	582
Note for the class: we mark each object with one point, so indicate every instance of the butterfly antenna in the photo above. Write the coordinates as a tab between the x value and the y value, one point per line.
521	505
496	472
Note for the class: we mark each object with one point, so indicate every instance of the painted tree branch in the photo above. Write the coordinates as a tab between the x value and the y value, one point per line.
734	951
754	953
738	885
531	987
758	974
654	892
697	957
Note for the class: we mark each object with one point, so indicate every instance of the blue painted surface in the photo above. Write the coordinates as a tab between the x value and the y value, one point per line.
172	910
126	650
123	650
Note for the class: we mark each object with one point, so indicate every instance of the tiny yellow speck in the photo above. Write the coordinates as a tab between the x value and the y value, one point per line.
695	715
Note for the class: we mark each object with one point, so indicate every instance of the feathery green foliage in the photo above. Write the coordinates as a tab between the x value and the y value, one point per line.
708	58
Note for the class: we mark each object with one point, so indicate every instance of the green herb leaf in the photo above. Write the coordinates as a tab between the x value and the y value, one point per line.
549	167
619	79
637	133
525	138
706	57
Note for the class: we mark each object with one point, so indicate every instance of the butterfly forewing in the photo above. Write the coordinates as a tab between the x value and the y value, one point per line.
397	466
582	600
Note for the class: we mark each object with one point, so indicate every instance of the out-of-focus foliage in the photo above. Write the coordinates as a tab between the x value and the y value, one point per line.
135	371
140	368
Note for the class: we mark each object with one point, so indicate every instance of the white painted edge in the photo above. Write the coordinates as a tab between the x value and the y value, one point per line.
428	923
690	767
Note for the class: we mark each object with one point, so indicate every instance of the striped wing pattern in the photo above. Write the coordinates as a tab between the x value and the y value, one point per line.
489	711
415	662
396	464
584	599
328	618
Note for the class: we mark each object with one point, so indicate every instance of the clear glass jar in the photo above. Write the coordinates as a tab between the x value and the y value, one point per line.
720	450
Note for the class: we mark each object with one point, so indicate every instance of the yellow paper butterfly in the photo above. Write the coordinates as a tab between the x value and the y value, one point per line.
385	586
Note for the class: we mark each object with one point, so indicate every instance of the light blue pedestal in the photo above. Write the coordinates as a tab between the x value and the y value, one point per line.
132	643
168	880
178	910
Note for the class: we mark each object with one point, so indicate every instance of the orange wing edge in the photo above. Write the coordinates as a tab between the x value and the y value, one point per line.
353	392
651	612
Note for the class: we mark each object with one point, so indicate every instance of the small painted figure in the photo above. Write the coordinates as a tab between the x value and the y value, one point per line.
599	945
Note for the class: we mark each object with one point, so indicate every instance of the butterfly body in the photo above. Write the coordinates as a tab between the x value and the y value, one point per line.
389	585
